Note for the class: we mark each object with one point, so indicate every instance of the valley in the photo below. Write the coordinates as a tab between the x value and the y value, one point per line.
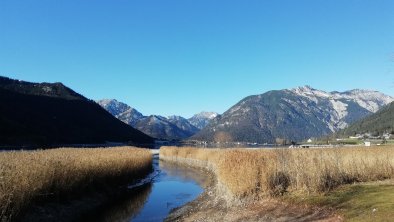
189	184
239	169
196	111
165	128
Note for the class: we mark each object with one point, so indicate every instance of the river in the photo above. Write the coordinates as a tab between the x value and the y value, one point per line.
170	186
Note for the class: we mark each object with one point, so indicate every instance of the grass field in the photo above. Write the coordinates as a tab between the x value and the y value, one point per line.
257	173
27	176
356	202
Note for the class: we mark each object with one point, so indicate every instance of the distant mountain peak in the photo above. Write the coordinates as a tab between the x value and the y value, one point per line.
166	128
209	115
294	114
363	91
107	101
173	127
174	117
120	110
305	87
202	119
308	91
371	100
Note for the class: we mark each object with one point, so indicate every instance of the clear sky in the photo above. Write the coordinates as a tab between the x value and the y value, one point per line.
185	56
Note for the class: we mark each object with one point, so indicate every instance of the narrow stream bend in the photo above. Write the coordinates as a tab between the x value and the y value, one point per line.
170	186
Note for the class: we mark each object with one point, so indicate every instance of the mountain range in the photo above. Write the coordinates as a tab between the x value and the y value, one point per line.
292	114
168	128
49	114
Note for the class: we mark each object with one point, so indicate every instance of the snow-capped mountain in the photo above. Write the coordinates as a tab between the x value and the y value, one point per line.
173	127
183	124
122	111
339	103
293	114
163	128
202	119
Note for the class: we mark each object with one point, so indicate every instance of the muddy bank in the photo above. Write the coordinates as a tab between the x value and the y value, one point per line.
217	203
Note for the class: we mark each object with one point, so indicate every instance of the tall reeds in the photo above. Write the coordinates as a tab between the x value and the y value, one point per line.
258	173
26	176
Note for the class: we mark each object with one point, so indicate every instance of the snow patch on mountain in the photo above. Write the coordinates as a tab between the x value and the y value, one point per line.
294	114
338	102
368	99
340	108
122	111
310	93
202	119
173	127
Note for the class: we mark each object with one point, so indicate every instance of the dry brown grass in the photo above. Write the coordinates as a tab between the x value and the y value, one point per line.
258	173
26	176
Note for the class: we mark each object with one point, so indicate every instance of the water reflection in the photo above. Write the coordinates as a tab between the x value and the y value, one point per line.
110	205
168	187
184	173
174	186
126	208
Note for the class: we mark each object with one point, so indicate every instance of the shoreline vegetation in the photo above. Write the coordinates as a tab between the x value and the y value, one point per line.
305	177
27	177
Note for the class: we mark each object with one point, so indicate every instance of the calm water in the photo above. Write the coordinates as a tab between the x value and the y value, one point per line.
168	187
172	186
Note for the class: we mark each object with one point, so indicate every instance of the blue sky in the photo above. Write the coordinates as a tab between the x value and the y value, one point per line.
185	56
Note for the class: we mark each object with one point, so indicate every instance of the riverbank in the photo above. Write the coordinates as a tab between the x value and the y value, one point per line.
254	201
359	202
215	204
30	177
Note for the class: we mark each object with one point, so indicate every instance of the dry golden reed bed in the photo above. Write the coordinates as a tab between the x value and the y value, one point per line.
26	176
258	173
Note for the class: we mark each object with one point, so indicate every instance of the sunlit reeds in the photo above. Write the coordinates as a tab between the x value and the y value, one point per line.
259	173
26	176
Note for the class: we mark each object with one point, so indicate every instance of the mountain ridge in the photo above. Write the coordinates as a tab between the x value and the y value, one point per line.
292	114
47	114
377	123
202	119
169	128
